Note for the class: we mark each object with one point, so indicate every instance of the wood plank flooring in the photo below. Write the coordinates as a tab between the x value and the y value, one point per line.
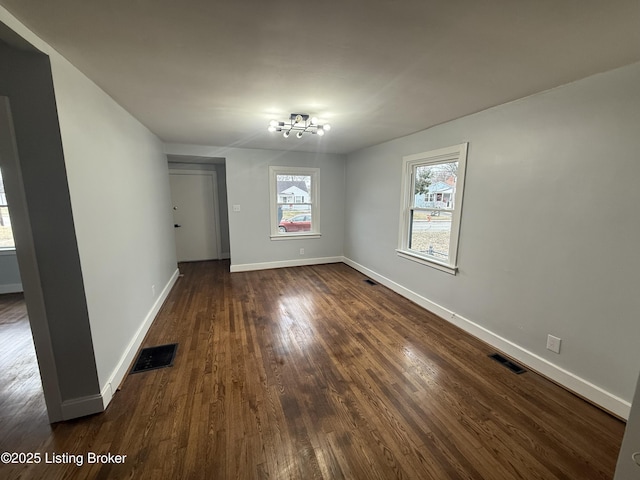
22	409
310	372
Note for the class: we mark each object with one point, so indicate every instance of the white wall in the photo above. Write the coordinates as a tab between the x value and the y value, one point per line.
10	281
119	187
549	234
119	190
247	174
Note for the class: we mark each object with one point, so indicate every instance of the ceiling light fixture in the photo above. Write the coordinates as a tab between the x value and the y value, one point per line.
300	124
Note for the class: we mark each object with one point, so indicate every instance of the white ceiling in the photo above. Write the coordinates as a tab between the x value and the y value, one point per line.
215	72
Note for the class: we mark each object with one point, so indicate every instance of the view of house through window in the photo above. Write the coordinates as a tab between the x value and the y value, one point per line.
294	201
433	183
6	234
434	202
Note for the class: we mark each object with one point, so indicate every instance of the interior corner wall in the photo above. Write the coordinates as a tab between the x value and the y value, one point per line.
10	281
549	232
54	287
118	188
247	174
627	466
221	170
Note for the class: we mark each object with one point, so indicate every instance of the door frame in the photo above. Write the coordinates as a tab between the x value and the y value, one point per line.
28	264
213	175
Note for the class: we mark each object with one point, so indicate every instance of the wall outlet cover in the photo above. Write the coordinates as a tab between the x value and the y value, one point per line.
553	343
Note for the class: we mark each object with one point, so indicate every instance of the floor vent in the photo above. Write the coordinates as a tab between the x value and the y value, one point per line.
514	367
155	357
370	282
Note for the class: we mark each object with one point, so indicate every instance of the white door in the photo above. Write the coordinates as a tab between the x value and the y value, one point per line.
192	196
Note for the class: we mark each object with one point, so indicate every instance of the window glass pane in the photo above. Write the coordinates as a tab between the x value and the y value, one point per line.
6	233
430	233
294	222
294	190
435	185
294	203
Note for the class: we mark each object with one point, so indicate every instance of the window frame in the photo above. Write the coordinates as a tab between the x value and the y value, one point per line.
456	153
5	204
314	201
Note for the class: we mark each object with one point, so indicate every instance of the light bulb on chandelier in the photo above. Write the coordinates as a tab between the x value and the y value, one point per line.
300	124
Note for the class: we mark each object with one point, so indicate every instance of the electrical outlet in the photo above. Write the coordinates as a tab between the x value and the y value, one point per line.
553	343
236	208
302	251
153	290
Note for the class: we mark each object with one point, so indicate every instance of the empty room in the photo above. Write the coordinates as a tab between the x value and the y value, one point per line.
338	240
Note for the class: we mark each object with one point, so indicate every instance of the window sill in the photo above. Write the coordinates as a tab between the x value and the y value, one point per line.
8	251
452	270
295	236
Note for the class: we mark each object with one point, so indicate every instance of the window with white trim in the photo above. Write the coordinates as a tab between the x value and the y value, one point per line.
295	202
6	232
432	190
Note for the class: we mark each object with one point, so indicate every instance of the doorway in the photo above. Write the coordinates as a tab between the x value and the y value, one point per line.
196	215
23	395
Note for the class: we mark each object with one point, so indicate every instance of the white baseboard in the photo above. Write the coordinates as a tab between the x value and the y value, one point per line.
80	407
567	379
122	368
11	288
247	267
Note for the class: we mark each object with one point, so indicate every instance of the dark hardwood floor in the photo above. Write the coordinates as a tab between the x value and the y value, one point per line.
23	412
310	372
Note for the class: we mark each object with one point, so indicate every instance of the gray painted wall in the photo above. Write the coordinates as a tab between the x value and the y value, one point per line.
247	173
119	189
550	226
10	280
54	287
98	194
627	468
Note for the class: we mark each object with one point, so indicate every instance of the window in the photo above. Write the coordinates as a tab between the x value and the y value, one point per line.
432	187
295	205
6	233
